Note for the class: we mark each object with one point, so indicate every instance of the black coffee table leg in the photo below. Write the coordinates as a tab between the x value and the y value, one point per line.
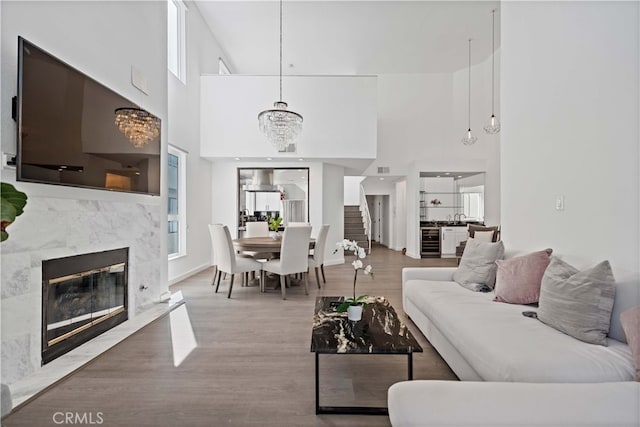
355	410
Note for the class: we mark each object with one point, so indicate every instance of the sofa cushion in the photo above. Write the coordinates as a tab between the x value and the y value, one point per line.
501	344
578	303
518	279
468	403
630	320
478	263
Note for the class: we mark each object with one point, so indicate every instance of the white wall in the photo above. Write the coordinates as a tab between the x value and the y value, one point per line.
352	190
570	127
332	210
62	221
399	216
340	114
184	132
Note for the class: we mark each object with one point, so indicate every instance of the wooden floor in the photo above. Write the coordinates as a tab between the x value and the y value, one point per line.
251	366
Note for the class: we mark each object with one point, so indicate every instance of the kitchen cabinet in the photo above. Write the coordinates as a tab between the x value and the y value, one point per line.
267	201
450	239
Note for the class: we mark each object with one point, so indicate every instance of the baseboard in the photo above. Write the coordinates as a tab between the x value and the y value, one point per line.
188	274
414	256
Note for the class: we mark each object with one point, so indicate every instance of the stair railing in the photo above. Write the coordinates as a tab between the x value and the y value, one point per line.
366	216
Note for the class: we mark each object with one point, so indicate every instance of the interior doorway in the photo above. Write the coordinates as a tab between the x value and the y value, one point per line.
379	206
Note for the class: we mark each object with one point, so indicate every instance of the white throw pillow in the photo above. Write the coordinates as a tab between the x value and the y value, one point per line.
483	236
478	264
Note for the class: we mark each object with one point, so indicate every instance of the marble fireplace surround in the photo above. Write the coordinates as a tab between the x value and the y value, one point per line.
56	228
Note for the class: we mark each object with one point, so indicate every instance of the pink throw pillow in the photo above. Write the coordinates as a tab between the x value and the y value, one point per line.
630	320
518	279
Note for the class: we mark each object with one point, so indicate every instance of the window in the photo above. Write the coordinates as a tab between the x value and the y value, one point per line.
177	216
177	38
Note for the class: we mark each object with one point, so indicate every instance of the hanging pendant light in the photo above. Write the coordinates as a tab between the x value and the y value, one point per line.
494	124
280	125
469	139
140	126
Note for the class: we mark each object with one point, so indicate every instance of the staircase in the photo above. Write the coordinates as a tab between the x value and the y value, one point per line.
354	227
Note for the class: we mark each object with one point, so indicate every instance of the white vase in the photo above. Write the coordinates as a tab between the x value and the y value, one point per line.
354	312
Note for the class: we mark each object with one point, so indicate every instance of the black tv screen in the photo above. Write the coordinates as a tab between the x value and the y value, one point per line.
74	131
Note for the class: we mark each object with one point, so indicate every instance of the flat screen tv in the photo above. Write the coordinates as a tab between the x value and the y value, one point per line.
74	131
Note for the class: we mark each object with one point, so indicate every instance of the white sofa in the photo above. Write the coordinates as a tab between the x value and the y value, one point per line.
483	340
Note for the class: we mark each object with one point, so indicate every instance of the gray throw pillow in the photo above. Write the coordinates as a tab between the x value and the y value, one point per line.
578	303
478	264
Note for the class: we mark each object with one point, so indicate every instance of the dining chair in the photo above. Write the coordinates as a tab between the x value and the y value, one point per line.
257	229
294	257
228	261
213	254
316	261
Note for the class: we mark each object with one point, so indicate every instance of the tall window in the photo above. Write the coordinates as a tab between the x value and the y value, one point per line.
177	198
177	38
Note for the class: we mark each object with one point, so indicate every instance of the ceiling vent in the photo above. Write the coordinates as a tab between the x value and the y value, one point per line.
383	169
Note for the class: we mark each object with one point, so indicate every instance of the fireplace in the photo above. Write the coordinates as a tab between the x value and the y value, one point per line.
82	297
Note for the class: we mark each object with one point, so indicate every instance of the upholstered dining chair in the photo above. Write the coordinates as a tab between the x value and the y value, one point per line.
256	229
228	261
214	254
294	257
316	261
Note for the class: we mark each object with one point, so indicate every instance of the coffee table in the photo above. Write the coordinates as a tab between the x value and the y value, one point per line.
379	332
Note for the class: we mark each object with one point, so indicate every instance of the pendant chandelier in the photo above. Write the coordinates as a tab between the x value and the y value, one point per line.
280	125
494	124
140	126
469	139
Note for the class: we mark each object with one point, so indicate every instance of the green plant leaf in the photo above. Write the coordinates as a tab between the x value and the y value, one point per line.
4	236
343	307
16	198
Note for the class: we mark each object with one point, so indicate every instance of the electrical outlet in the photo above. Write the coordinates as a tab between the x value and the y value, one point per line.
8	160
559	203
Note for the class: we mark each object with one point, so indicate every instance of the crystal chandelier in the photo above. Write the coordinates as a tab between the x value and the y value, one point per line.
281	126
469	139
140	126
494	124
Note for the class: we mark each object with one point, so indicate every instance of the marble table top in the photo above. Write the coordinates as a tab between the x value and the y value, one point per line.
379	331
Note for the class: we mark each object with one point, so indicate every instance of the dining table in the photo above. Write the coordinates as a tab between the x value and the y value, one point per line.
263	244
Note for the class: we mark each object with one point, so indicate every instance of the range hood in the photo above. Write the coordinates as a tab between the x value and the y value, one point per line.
262	181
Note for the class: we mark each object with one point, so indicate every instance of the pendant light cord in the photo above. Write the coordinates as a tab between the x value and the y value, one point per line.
280	50
469	84
493	54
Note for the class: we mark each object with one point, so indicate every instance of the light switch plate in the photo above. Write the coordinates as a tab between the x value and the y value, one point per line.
559	203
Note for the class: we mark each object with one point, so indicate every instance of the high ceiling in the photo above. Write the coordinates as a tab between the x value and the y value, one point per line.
351	37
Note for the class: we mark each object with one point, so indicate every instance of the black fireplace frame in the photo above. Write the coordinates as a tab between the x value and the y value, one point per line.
73	265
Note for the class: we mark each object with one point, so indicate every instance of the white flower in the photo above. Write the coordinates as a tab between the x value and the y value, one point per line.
368	269
357	264
361	253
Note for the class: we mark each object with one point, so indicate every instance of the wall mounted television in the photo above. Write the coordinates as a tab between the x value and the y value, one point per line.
67	132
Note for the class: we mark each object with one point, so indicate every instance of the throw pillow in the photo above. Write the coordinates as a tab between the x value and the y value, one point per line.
630	320
518	279
484	236
578	303
478	263
474	228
